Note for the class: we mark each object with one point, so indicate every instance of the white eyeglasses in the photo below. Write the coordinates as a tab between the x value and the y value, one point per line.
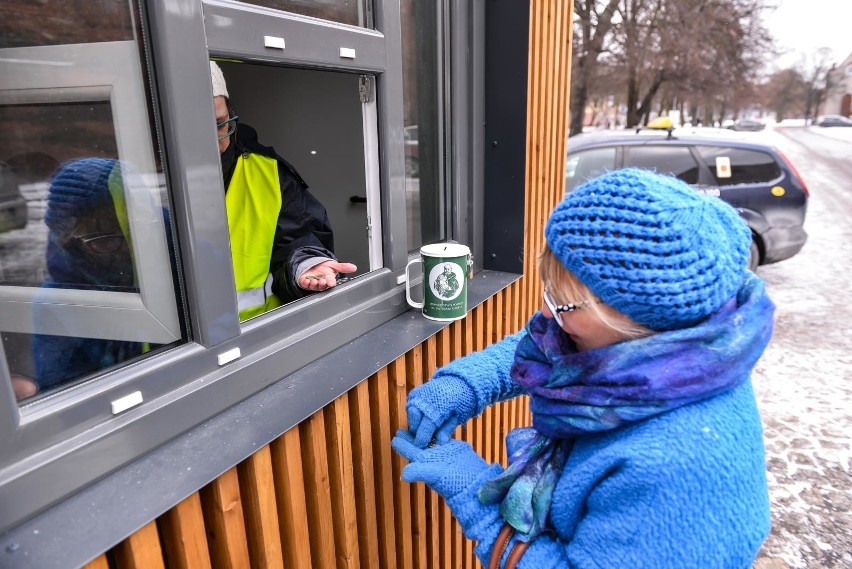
558	309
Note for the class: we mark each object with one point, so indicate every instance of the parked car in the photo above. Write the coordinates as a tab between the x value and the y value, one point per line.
747	124
13	207
833	120
754	178
412	154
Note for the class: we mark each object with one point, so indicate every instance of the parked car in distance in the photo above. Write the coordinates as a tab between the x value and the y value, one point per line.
754	178
833	120
747	124
13	207
412	154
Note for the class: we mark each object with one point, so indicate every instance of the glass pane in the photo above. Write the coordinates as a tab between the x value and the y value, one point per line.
747	166
68	22
352	12
677	161
422	106
308	126
81	187
583	166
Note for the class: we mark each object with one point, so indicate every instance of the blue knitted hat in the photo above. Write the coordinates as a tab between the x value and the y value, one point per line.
78	188
651	247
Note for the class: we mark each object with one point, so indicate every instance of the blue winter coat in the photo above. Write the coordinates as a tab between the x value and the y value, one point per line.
683	489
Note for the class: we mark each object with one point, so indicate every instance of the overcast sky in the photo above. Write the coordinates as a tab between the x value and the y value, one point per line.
804	26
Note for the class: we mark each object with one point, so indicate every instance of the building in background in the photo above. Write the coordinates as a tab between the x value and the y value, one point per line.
838	97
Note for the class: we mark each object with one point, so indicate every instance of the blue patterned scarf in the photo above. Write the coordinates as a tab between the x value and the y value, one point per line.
574	393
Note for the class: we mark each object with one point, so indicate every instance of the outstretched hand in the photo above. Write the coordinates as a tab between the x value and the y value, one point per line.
324	276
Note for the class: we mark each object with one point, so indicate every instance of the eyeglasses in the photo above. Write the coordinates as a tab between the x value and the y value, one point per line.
100	243
230	124
558	309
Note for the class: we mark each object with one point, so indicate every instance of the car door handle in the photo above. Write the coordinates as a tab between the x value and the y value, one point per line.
358	199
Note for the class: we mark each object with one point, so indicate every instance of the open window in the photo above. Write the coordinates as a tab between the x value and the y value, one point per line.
323	124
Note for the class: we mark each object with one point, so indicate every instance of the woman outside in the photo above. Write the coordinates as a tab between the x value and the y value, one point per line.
646	448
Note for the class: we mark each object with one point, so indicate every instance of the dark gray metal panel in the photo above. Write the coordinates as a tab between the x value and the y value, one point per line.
238	31
194	171
506	65
392	157
477	129
96	518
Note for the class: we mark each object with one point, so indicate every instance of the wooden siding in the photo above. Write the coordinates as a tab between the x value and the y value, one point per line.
329	493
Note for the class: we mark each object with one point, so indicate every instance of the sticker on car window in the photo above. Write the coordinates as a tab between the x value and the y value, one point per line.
723	167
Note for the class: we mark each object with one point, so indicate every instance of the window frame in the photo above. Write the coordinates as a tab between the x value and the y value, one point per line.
62	443
109	72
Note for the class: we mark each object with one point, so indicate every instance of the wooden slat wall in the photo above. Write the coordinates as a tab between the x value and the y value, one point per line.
329	493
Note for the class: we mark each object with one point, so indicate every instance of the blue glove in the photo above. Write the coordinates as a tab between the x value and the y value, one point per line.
448	469
437	407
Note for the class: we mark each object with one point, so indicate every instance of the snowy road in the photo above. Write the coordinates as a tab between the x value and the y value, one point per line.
804	381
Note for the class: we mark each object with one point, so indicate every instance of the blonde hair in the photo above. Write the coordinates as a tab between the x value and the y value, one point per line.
565	287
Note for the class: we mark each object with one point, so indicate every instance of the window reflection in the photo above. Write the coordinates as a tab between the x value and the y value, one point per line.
86	187
352	12
422	105
27	23
89	247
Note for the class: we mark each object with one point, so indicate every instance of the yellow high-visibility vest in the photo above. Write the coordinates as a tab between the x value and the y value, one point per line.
253	202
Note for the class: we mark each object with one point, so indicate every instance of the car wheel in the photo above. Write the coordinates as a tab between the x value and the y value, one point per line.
753	256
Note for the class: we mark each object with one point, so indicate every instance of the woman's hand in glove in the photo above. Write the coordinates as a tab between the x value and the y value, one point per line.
437	407
448	468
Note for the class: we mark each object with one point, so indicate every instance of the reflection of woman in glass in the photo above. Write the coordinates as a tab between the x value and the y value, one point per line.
89	247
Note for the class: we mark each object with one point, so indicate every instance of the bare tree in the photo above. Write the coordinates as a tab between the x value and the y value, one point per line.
814	70
591	28
784	94
703	49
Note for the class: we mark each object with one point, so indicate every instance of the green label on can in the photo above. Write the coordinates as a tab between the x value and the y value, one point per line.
445	287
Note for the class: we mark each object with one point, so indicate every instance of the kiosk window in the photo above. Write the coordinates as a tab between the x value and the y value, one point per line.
311	126
87	275
352	12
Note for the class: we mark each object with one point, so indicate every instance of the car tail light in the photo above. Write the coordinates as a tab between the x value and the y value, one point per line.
795	173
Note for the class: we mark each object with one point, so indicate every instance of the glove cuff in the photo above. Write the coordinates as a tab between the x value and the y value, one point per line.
456	389
472	515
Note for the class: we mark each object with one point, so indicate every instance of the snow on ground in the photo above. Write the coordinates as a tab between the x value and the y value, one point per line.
804	380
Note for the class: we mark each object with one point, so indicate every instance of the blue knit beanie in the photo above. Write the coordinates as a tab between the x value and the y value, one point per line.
78	188
651	247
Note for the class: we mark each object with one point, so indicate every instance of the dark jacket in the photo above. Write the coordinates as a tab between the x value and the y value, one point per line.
303	229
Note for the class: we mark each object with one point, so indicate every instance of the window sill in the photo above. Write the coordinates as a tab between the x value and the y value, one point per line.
94	519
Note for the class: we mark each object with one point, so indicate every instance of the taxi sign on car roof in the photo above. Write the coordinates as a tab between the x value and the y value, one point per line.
659	123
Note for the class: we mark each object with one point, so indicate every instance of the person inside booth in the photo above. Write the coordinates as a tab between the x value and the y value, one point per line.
282	244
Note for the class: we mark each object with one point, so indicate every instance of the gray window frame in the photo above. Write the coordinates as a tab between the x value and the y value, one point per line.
56	446
103	71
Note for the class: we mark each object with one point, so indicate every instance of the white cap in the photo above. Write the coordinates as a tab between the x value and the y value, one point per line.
219	86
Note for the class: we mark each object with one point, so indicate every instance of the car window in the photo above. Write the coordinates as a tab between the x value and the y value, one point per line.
588	164
673	160
745	166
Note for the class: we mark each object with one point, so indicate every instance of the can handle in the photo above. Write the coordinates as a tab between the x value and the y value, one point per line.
411	302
